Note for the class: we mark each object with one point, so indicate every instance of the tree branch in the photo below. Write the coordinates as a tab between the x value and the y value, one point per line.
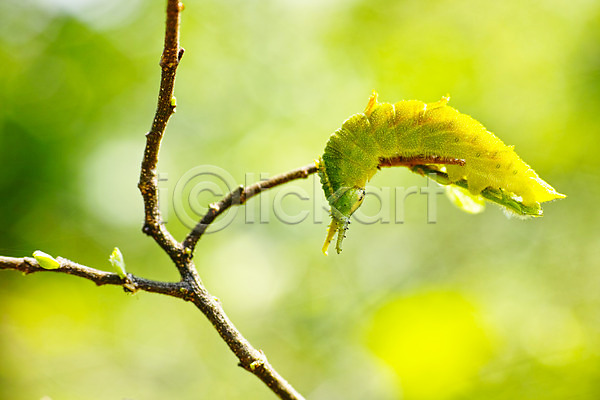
148	183
130	283
240	196
251	359
190	288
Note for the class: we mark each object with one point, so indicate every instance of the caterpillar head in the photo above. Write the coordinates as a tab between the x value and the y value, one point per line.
343	204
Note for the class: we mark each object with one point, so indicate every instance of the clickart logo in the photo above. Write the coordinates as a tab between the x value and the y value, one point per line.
189	196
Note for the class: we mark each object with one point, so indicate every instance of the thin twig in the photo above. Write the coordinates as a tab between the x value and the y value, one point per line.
240	196
148	183
28	265
251	359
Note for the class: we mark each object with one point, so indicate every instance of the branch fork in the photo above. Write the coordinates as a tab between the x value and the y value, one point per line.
190	287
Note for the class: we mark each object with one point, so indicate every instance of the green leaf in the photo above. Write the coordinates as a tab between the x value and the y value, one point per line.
46	261
463	199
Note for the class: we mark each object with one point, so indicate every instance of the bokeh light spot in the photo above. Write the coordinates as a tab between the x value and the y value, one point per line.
434	341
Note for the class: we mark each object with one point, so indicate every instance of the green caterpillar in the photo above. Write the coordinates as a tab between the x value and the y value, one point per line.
433	139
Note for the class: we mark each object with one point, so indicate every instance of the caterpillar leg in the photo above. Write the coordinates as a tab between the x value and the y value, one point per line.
333	228
339	227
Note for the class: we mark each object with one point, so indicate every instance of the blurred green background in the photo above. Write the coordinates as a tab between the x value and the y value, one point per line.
470	307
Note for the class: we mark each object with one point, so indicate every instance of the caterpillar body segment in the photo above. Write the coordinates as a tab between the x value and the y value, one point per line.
431	138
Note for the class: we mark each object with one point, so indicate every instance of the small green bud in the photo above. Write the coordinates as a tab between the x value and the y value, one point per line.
116	260
46	261
255	364
173	101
